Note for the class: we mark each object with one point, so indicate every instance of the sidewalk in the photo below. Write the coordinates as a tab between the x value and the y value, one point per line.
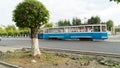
114	36
3	66
6	48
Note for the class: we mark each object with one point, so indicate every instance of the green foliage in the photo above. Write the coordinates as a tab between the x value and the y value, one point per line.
67	23
11	30
30	13
60	23
117	29
94	20
10	27
116	1
116	66
3	31
24	30
110	24
76	21
103	22
48	25
63	23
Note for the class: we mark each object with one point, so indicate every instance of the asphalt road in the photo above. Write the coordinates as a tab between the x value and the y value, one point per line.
109	46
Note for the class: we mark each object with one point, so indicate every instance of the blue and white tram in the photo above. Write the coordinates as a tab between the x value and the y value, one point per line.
91	32
40	34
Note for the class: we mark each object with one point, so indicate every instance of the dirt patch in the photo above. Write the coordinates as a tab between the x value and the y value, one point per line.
57	60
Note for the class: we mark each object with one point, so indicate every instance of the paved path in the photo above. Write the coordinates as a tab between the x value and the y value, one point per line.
4	49
7	48
3	66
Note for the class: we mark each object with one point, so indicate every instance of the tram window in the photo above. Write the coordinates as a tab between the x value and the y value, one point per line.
55	30
96	28
46	31
74	29
81	29
103	28
62	29
71	29
77	30
88	28
66	30
58	30
41	31
50	30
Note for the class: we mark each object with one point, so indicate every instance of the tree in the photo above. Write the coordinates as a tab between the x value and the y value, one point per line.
103	22
94	20
31	14
76	21
116	1
48	25
3	32
110	24
117	29
10	29
66	23
23	31
60	23
63	23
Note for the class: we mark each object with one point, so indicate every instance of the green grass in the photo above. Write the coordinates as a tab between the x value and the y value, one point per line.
24	59
84	60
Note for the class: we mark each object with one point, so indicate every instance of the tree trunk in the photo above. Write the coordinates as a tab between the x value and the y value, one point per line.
34	42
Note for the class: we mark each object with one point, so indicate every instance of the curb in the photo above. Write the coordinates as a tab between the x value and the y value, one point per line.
9	65
83	52
93	53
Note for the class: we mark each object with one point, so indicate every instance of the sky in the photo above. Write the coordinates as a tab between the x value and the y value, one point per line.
67	9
